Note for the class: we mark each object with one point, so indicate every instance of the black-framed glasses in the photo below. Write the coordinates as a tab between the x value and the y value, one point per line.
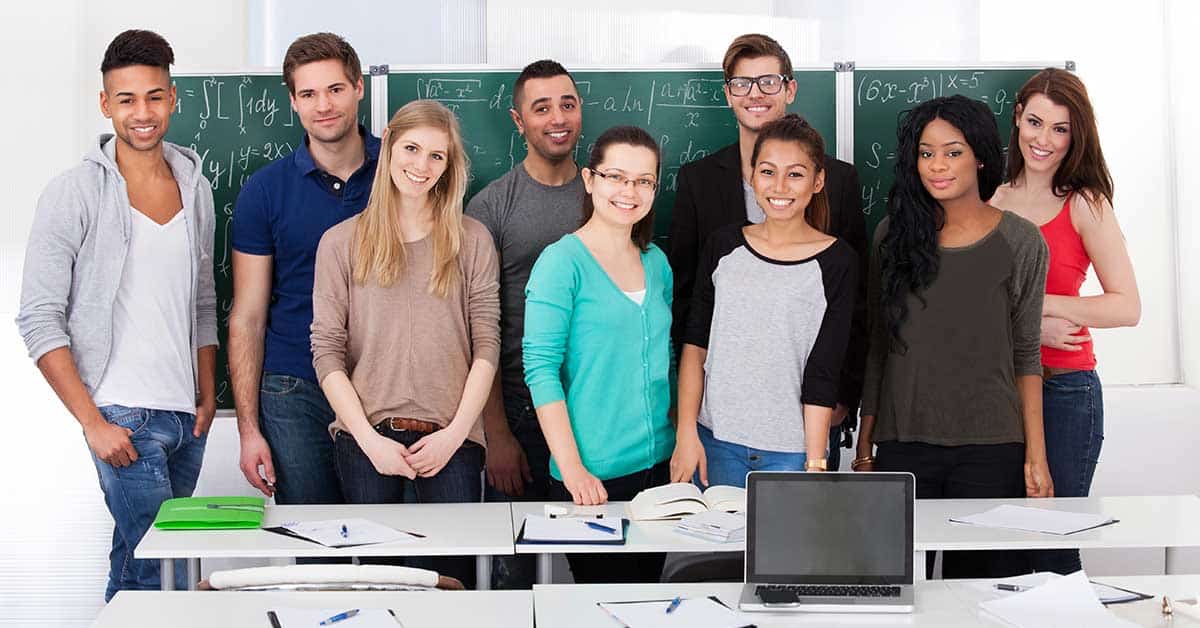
767	84
640	183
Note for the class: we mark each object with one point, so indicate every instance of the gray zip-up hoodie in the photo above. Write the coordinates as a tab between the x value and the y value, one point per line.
77	250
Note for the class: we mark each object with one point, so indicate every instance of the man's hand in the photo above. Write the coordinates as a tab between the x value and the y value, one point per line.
256	453
111	443
205	412
507	466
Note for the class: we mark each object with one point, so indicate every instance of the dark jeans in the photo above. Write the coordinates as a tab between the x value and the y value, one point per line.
605	568
1073	415
168	464
964	471
458	481
520	572
294	418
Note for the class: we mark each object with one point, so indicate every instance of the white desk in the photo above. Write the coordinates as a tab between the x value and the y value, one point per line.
939	604
416	609
480	530
1169	522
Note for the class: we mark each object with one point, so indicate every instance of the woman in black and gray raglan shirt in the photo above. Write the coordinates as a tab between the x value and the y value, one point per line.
769	324
953	388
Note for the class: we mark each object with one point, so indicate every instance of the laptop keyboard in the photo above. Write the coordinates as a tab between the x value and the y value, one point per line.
778	591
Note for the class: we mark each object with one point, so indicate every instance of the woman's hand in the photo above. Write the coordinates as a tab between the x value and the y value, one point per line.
387	456
430	454
1037	479
1060	333
585	488
688	458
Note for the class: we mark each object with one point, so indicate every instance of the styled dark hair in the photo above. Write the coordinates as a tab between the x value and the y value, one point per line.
137	47
643	230
545	68
908	253
319	47
752	46
793	128
1083	170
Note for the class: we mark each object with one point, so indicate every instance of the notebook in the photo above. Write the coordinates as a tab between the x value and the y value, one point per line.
1036	519
344	532
312	618
210	513
698	612
573	530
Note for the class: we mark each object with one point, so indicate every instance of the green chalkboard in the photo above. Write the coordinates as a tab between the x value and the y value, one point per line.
685	110
882	96
238	124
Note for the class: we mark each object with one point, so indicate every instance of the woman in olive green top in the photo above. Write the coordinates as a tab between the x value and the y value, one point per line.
597	346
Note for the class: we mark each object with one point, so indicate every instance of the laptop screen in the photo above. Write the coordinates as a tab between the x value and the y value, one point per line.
830	528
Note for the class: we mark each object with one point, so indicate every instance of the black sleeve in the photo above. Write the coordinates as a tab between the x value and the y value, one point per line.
853	231
699	324
683	247
839	274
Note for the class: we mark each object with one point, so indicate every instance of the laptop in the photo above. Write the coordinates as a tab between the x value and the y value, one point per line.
829	542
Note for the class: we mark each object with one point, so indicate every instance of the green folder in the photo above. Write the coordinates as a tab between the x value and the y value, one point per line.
210	513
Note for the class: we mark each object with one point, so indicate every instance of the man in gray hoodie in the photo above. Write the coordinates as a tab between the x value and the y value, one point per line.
118	307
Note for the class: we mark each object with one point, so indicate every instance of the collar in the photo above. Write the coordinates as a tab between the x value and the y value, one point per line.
304	161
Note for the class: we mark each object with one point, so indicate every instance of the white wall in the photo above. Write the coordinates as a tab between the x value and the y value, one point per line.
1138	64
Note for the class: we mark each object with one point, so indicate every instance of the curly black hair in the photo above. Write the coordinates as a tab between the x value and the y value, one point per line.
908	252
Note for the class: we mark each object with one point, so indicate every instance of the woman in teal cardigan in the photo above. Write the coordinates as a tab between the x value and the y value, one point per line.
597	346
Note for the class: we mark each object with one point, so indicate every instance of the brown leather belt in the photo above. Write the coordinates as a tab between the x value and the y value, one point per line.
1054	371
412	425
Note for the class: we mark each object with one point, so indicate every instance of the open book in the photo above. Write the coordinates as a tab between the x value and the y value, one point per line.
673	501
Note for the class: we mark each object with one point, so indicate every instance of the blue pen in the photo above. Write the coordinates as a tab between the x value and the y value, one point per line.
599	526
345	532
674	604
340	616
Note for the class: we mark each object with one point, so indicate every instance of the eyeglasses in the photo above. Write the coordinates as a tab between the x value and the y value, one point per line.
767	84
641	183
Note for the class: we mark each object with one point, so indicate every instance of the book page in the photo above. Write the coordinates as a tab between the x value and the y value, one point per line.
726	498
669	501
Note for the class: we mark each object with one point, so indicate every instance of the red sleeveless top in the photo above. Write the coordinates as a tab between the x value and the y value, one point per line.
1068	267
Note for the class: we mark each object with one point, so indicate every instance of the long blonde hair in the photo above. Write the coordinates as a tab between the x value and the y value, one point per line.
379	251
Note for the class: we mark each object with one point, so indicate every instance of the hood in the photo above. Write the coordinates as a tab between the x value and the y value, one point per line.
184	162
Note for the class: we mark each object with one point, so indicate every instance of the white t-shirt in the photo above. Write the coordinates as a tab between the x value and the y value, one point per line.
637	296
151	361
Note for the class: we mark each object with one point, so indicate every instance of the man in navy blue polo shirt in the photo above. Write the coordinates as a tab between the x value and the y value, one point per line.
281	213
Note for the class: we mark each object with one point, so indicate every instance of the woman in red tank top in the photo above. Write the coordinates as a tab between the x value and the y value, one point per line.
1057	178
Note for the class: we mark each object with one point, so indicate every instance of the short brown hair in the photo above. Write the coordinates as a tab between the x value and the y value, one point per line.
752	46
319	47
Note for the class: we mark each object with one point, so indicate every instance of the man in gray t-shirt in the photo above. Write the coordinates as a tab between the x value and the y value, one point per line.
533	205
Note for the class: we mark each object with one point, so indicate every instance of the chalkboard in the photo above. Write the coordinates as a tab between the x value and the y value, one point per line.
882	96
685	111
238	124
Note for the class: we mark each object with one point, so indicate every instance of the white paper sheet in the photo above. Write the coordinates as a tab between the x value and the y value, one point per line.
1035	519
697	612
312	617
570	529
1106	594
358	532
1066	601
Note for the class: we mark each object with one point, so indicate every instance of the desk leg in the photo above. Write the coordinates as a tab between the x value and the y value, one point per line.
166	574
1171	564
919	565
483	573
193	573
545	563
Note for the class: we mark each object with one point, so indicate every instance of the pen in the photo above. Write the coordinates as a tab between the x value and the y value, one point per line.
674	604
600	526
345	532
1010	587
339	617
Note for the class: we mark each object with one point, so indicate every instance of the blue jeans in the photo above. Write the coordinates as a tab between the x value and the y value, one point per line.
1073	415
728	463
458	481
294	418
520	571
168	464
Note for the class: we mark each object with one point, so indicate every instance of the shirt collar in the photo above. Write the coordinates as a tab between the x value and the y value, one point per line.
304	161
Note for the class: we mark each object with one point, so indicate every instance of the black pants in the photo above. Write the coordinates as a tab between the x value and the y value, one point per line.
964	471
607	568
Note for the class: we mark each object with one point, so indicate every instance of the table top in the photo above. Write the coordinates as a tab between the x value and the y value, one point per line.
414	609
1155	521
939	604
450	529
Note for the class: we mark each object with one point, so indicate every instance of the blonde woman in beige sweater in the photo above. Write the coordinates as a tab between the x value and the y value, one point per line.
405	333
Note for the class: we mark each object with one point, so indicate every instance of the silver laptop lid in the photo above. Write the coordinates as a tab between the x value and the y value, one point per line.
829	528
